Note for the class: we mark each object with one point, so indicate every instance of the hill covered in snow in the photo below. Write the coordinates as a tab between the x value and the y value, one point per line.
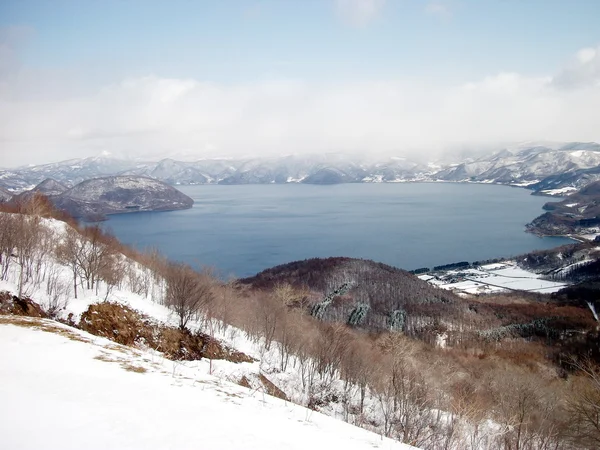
111	195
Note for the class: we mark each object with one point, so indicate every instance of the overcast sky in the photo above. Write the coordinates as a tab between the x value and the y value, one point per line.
195	79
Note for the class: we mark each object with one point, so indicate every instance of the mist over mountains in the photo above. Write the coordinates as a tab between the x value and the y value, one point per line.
539	167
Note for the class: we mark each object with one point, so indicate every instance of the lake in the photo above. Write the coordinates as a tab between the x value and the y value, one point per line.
241	230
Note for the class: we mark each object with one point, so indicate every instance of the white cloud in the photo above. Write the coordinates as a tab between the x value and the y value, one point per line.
153	116
358	13
583	71
586	55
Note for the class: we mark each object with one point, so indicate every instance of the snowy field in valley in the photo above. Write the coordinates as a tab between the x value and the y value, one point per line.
490	278
559	192
63	388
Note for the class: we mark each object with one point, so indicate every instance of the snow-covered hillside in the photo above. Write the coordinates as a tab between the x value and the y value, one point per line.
65	369
63	388
143	395
525	165
110	195
5	195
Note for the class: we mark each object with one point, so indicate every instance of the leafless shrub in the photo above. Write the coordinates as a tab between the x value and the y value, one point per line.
525	409
584	406
111	272
8	231
187	291
57	292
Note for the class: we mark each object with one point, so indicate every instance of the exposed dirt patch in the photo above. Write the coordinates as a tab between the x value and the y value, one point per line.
126	326
215	350
180	345
125	364
132	368
117	323
244	382
38	324
271	389
106	358
10	304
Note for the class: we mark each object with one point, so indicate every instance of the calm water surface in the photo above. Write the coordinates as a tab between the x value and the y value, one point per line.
241	230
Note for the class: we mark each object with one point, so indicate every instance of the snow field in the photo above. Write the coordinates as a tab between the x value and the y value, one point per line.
77	390
492	278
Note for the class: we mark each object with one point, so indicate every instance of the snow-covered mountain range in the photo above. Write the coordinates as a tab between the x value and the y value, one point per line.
542	168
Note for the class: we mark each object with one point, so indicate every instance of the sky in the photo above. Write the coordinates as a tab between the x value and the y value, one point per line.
196	79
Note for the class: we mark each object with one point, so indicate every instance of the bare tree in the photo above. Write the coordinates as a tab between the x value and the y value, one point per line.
111	272
288	295
403	394
187	291
584	405
7	241
90	254
39	261
98	250
37	205
526	414
358	368
56	290
270	317
26	242
70	251
332	349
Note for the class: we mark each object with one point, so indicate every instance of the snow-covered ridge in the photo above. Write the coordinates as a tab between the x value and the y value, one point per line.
524	165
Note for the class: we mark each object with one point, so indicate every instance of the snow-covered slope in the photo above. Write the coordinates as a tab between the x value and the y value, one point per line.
63	388
143	292
51	187
48	187
5	195
525	165
120	194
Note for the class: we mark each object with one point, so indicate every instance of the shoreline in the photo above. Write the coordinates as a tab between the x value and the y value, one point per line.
498	251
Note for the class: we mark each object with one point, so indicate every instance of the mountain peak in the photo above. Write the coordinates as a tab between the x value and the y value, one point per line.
51	187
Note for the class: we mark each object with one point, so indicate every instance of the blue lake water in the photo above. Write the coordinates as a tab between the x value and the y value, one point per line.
241	230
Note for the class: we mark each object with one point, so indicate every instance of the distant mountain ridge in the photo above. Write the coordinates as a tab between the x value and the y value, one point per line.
541	168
